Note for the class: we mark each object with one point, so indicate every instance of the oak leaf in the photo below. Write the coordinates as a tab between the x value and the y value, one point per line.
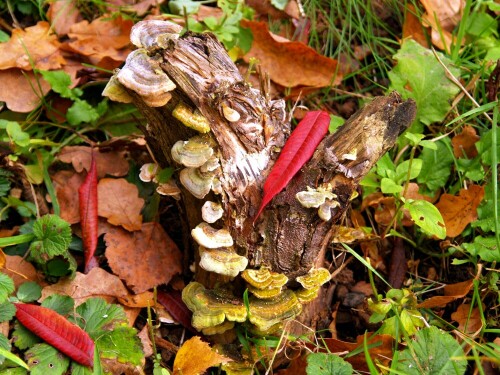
34	47
442	16
195	357
459	211
468	321
119	202
143	259
66	184
452	292
464	144
62	14
291	64
29	89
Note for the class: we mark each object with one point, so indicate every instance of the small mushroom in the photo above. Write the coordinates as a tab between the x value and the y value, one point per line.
211	165
314	197
169	188
230	114
325	210
223	261
314	278
148	172
212	307
194	152
154	33
198	184
192	119
116	92
265	313
211	238
211	212
143	74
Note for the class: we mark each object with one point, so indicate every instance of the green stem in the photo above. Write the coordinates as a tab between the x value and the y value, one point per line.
494	177
16	240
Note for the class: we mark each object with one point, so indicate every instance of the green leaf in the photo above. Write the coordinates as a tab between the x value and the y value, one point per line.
81	111
245	39
4	353
388	186
402	170
44	359
436	353
480	24
23	338
471	168
4	182
6	287
4	37
436	167
411	320
29	292
427	217
7	311
327	364
60	81
16	134
164	175
97	316
485	248
418	75
53	236
335	123
63	305
386	167
122	344
484	146
486	211
14	370
279	4
179	6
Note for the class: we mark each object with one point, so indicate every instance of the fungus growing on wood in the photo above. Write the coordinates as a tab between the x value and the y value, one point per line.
266	313
154	33
211	212
194	152
116	92
196	182
192	119
212	307
148	172
211	238
229	113
311	282
223	261
321	198
264	283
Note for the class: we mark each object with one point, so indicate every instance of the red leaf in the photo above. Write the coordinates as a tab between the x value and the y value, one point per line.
57	331
87	195
298	149
173	303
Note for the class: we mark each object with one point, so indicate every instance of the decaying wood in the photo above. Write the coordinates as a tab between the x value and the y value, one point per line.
287	237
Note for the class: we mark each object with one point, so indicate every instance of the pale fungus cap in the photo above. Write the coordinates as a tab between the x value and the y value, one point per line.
194	152
148	172
196	182
154	33
311	282
223	261
314	197
211	238
169	188
211	212
116	92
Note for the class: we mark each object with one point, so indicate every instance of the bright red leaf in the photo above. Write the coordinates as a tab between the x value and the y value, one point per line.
173	303
298	149
57	331
87	194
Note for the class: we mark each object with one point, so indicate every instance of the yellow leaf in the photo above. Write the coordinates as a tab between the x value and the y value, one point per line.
195	357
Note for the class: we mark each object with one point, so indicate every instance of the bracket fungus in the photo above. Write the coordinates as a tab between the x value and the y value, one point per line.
154	33
192	119
116	92
271	312
311	282
211	212
211	238
194	152
223	261
229	113
321	198
212	307
264	283
196	182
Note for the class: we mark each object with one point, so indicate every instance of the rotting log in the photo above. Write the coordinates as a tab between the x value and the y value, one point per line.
249	129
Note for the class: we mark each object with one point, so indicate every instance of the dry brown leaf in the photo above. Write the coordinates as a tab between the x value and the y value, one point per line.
266	9
36	46
467	324
459	211
291	64
195	357
118	201
452	292
62	14
97	283
111	163
412	193
442	16
385	209
464	144
143	259
144	299
412	28
129	6
19	270
67	184
29	89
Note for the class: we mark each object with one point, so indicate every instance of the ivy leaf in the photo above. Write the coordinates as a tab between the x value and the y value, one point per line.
53	236
298	149
122	343
420	76
6	287
44	359
29	292
63	305
427	217
434	352
436	165
327	364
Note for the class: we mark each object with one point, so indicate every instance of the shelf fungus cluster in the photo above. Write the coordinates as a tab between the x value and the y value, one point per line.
321	198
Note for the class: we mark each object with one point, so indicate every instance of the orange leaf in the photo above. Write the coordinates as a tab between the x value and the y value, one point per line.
62	14
459	211
464	144
143	259
291	63
119	202
466	323
34	46
442	17
195	357
66	184
27	94
452	292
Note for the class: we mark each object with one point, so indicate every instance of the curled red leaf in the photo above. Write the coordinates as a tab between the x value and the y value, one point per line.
298	149
87	195
57	331
173	303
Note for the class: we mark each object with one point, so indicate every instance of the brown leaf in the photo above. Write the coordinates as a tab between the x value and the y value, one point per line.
119	202
62	14
452	292
19	270
412	193
459	211
468	324
21	90
412	27
111	163
97	283
291	64
132	6
464	144
36	46
195	357
143	259
66	184
442	16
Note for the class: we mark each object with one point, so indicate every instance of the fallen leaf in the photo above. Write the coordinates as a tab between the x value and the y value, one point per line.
412	27
119	202
464	144
34	47
291	64
195	357
29	89
143	259
266	9
173	303
62	14
452	292
442	16
467	324
144	299
132	6
385	209
97	283
147	346
66	184
111	163
459	211
19	270
412	193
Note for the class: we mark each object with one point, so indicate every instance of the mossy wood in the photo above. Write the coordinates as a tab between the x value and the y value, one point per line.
287	237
